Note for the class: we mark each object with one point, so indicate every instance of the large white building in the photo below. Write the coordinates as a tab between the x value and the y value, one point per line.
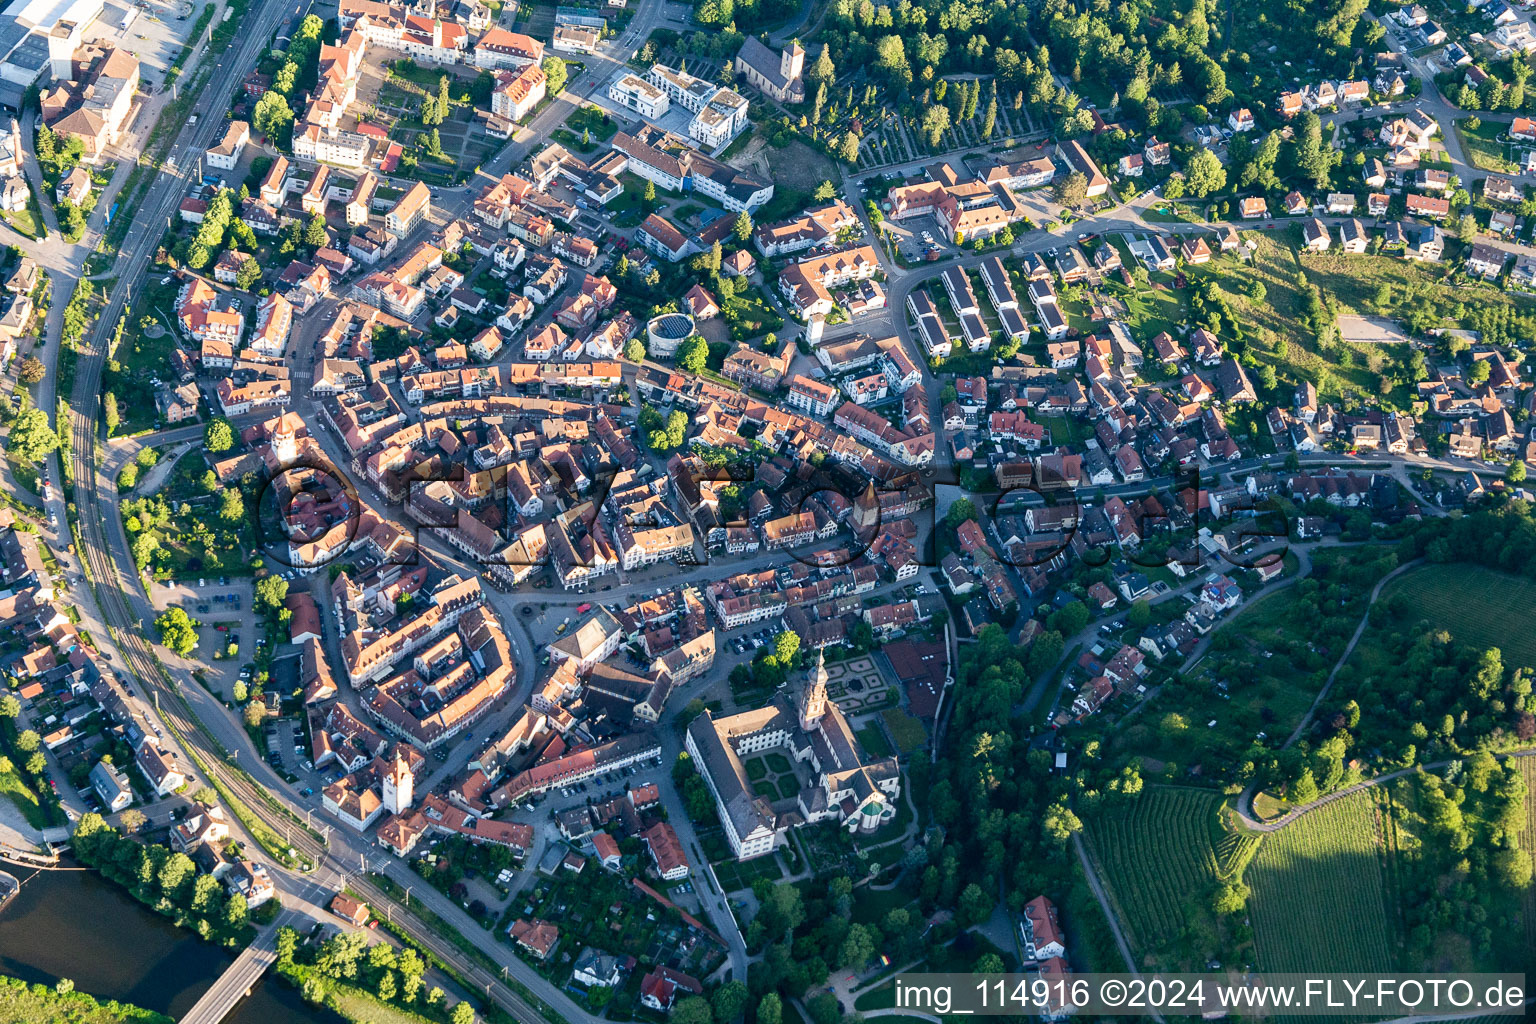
41	36
344	149
634	93
719	114
845	784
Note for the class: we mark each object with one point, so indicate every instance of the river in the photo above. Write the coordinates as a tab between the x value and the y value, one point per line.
76	925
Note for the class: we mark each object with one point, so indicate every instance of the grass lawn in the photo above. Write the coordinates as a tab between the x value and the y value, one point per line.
1154	310
779	764
1264	668
1479	606
138	359
872	739
23	221
908	732
356	1004
195	541
750	316
1270	323
25	799
24	472
1483	147
593	120
756	770
1067	429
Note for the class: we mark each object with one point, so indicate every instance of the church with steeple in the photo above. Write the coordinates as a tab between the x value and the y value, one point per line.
839	780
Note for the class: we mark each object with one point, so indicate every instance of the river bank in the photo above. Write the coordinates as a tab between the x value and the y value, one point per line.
74	924
21	1003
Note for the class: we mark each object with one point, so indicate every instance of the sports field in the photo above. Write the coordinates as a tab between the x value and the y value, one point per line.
1475	605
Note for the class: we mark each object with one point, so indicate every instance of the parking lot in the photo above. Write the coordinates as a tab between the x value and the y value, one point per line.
226	626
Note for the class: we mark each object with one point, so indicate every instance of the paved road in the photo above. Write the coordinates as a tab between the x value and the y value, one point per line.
208	728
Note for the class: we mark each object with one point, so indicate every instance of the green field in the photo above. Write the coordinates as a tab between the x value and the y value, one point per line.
1483	147
1478	606
25	798
873	740
1264	667
1528	842
907	731
1318	892
1163	856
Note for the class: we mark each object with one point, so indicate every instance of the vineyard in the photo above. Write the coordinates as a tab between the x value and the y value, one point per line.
1478	606
1318	892
1528	841
1163	856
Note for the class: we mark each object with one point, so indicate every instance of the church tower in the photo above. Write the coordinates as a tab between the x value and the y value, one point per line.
813	703
399	781
866	514
792	62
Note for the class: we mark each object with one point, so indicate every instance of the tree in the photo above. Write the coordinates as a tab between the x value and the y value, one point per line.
1059	823
37	763
693	354
271	592
1204	174
743	226
255	713
975	906
786	646
1515	474
287	939
1478	372
935	123
729	1001
1230	898
178	867
824	1009
649	194
825	192
821	69
555	75
1304	789
693	1010
314	231
1512	868
1466	227
218	436
463	1013
32	371
10	706
31	438
231	505
236	910
857	948
177	633
248	273
1072	190
132	819
634	350
770	1009
109	414
273	117
28	741
431	113
848	148
960	510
